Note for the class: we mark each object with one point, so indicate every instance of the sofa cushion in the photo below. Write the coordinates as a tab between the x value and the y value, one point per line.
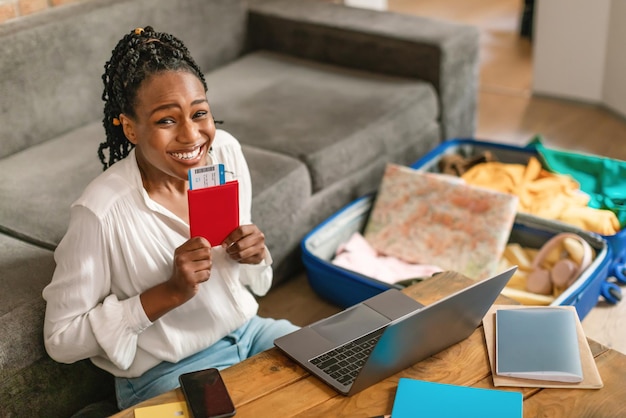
26	370
44	180
333	119
282	189
58	57
25	270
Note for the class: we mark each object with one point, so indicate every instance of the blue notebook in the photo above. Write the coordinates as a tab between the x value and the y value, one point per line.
418	398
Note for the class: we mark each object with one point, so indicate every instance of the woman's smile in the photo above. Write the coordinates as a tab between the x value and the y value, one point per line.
189	156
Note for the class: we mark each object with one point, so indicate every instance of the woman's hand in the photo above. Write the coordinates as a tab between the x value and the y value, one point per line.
192	266
246	244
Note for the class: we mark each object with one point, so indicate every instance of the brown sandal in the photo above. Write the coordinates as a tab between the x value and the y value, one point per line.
457	165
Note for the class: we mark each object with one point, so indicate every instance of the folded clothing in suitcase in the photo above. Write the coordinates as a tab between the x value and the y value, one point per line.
471	150
345	287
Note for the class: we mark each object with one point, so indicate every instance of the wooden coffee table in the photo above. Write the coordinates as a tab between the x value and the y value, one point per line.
270	384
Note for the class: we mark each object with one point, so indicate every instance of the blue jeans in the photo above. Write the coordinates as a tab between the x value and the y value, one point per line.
257	335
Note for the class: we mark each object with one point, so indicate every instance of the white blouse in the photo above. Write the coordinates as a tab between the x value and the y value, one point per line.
120	243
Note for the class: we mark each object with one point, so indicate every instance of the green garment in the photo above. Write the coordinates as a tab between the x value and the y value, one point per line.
602	178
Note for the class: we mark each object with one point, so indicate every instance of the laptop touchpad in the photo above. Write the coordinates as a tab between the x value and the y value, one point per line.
350	324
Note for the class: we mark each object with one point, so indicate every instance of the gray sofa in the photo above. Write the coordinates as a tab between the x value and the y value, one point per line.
321	96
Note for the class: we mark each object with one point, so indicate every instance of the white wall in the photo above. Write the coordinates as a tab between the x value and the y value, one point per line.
614	93
367	4
569	48
579	51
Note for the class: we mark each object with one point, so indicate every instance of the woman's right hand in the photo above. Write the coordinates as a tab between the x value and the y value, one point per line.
192	266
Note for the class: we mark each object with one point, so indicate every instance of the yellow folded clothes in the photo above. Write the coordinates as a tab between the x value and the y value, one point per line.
601	221
544	194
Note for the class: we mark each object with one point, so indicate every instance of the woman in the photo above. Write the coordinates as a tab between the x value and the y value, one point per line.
132	290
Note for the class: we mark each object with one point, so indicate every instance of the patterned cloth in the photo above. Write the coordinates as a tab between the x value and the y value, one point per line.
436	219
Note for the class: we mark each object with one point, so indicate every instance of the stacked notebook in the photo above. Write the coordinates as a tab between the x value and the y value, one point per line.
538	344
539	347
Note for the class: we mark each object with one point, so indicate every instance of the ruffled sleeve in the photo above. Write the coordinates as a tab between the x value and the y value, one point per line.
83	319
117	325
258	277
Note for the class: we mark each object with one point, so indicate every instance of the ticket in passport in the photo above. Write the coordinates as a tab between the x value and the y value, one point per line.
206	176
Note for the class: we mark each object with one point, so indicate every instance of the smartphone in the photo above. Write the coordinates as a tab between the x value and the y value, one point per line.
206	394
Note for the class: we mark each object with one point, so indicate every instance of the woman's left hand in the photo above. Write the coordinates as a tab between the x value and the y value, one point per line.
246	244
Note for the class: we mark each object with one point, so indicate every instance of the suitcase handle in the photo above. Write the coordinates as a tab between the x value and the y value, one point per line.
611	292
619	272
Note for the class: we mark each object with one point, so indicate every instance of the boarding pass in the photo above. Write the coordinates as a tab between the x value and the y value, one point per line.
206	176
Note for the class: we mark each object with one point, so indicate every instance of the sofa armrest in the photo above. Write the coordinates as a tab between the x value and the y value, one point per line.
441	53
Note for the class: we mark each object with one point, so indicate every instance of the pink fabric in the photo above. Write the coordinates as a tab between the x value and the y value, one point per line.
357	255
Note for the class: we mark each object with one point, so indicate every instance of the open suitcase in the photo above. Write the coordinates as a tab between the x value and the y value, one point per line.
345	288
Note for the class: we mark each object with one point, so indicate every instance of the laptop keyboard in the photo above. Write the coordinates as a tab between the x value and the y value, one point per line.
344	362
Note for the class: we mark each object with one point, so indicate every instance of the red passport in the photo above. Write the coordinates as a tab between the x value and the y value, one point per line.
214	211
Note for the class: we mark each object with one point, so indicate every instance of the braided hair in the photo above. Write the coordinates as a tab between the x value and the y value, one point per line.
138	55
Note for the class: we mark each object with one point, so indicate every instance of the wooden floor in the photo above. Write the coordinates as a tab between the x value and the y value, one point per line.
508	112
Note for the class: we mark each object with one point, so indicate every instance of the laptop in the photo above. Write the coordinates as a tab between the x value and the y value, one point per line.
387	333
